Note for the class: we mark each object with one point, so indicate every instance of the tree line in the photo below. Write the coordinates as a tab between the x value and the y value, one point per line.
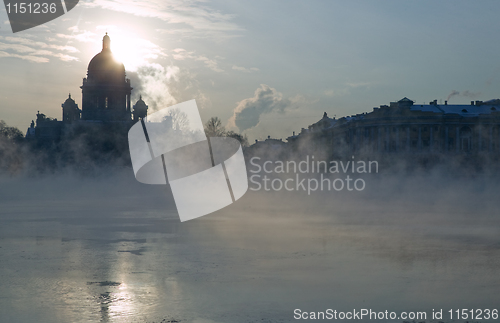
78	148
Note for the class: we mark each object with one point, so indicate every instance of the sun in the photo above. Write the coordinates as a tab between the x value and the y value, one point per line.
132	50
128	52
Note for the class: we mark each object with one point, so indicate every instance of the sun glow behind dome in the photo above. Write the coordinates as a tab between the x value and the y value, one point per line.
133	51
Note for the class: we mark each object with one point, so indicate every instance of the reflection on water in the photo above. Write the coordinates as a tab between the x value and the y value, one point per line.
114	251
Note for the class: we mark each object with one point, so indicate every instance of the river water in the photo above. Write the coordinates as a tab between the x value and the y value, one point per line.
108	249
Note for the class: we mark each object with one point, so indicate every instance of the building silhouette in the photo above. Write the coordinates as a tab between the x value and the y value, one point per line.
140	110
406	127
106	96
106	90
71	112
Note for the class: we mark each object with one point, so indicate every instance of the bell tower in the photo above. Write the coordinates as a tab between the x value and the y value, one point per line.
71	112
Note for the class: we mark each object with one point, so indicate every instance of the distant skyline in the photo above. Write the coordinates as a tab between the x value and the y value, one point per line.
263	67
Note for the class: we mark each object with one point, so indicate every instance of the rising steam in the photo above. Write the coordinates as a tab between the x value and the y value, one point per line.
465	93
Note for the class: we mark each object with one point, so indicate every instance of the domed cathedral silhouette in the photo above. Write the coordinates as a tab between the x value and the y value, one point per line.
106	95
106	90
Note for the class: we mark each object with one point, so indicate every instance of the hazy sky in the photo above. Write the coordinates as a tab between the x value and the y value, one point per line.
268	67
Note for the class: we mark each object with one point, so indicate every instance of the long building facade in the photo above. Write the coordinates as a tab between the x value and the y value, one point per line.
405	127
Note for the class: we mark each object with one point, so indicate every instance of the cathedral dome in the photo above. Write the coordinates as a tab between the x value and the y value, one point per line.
140	109
104	67
69	100
105	91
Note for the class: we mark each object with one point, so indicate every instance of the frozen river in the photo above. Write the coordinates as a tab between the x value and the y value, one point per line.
109	249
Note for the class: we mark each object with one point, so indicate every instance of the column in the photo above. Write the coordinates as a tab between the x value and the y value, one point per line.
480	139
372	133
419	144
358	136
472	132
431	137
408	147
491	139
397	138
446	143
378	139
351	139
387	139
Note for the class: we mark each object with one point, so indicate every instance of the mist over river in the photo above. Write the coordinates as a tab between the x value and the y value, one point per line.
109	249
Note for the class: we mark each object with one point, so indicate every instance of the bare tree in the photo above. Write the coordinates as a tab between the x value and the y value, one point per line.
179	120
214	128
